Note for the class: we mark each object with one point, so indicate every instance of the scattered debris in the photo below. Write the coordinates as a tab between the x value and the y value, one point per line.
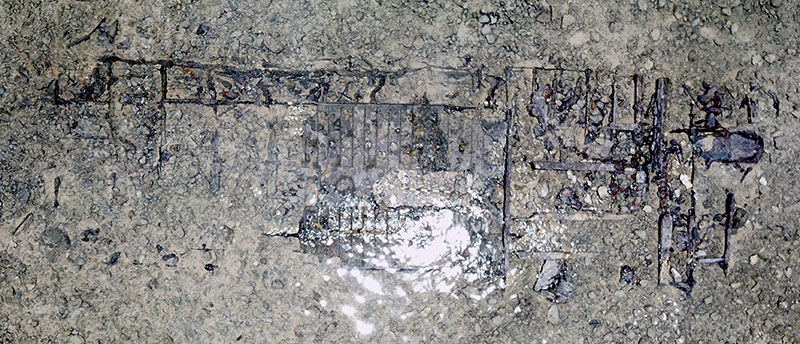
170	260
752	108
113	259
553	281
16	229
56	186
776	104
90	235
626	274
568	196
202	29
86	37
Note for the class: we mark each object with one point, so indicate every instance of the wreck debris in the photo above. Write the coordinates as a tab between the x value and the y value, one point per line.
729	147
578	132
730	214
751	106
658	153
664	244
507	166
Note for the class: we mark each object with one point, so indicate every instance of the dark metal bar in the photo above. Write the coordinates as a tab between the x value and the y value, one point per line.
507	186
572	166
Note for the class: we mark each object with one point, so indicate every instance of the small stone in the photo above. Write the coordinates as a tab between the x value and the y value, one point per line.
641	177
2	90
602	191
762	181
726	11
655	34
648	64
579	39
545	16
488	34
359	15
202	29
789	51
734	28
771	58
544	190
552	315
782	142
76	339
647	209
757	60
567	20
754	259
685	181
736	285
483	19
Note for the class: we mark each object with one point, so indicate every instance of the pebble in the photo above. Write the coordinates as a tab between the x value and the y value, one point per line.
567	20
76	339
579	39
641	177
754	259
544	17
602	191
647	209
734	28
655	34
488	34
685	181
726	11
544	190
552	315
483	19
2	91
762	181
757	59
771	58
